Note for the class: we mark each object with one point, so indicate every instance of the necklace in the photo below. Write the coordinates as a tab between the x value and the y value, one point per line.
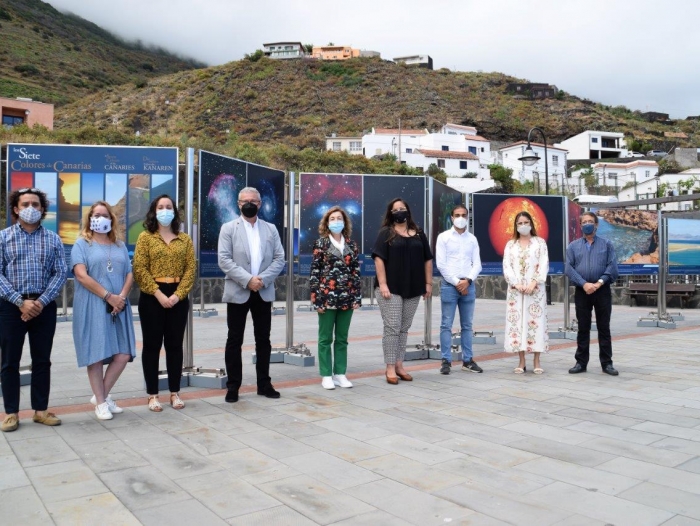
110	268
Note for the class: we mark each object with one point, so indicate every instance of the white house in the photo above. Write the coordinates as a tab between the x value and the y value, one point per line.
422	61
556	159
595	145
284	50
616	175
684	183
352	145
420	148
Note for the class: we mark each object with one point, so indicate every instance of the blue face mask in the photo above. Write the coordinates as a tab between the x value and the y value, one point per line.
165	216
336	226
588	229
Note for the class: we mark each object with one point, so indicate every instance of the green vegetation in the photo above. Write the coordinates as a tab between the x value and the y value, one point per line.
504	177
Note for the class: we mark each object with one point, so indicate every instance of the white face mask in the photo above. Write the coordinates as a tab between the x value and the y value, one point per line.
524	230
101	225
460	222
30	215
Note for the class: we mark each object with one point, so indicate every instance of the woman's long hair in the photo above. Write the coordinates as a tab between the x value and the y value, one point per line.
151	223
323	229
388	221
533	230
114	235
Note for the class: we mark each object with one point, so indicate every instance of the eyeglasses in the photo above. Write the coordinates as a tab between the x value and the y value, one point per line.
23	191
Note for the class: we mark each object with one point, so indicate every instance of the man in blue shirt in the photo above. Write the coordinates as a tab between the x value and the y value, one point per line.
592	267
32	272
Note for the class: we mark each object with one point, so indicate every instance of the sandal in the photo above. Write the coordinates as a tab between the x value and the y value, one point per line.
538	370
154	404
176	402
519	370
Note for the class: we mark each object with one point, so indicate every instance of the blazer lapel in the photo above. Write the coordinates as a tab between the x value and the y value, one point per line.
244	237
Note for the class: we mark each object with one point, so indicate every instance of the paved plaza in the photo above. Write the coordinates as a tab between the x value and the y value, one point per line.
483	449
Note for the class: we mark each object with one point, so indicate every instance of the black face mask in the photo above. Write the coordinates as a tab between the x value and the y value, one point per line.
400	216
249	210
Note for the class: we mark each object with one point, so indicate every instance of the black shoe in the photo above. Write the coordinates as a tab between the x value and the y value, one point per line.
578	368
472	367
609	369
231	397
268	392
446	366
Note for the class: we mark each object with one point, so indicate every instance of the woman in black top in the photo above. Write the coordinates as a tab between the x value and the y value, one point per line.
404	266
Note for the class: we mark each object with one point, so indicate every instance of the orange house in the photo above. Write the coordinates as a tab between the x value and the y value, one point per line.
334	52
25	111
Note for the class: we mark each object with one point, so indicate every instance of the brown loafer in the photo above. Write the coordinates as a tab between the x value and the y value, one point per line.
46	418
11	423
392	381
405	377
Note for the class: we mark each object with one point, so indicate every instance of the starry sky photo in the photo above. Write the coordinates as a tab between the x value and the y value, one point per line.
270	184
319	192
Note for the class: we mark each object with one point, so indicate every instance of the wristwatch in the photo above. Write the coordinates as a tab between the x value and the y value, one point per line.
601	282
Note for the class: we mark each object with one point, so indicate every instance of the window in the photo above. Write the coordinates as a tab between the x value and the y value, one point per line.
594	139
472	150
441	163
355	146
10	120
336	146
555	160
482	150
462	165
445	148
647	173
409	150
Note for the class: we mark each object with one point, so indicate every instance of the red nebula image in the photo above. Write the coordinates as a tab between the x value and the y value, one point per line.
503	219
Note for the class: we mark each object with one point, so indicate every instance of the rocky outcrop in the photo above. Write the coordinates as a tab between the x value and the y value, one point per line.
641	219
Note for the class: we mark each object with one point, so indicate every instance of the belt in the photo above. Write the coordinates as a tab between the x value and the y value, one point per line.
167	280
30	296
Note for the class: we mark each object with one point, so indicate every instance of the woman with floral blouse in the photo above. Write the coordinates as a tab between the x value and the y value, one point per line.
164	268
335	292
525	266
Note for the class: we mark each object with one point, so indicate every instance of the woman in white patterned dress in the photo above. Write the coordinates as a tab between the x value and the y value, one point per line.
525	266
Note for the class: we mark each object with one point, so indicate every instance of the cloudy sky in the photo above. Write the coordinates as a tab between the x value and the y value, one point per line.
643	54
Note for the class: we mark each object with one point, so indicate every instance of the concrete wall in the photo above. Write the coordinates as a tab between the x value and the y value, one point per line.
686	157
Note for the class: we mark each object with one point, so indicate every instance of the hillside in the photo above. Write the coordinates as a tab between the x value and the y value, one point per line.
54	57
299	102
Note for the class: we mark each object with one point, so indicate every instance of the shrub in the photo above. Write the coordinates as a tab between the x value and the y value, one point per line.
254	57
27	69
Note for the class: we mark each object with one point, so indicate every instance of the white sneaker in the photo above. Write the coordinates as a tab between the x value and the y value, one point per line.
113	407
327	382
341	381
102	412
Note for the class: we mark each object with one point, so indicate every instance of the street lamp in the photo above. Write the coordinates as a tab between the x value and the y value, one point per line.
530	157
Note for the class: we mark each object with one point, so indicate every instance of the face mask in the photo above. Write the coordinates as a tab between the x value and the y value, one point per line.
524	230
249	210
165	216
30	215
336	226
400	216
587	229
460	222
101	225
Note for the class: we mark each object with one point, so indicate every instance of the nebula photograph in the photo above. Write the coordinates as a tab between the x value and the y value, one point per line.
270	184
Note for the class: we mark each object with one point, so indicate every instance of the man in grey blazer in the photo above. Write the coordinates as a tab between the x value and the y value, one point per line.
251	256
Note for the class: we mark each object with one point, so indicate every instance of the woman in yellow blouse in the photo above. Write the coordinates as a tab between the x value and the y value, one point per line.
164	268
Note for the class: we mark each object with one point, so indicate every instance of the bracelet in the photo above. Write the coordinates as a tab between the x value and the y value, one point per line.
107	295
122	297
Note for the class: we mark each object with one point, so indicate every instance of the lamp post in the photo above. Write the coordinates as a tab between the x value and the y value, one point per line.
530	157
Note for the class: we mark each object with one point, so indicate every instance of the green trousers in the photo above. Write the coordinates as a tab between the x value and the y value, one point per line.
328	322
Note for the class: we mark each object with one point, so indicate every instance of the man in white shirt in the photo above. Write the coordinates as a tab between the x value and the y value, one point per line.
457	258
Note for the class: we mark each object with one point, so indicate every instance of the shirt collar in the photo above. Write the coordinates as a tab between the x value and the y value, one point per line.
454	231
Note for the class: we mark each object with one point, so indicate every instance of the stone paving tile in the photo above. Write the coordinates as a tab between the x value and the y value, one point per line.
292	427
572	402
690	447
330	470
343	447
612	509
280	515
205	441
557	450
421	416
645	471
504	506
230	424
487	452
372	519
588	478
273	444
242	462
679	402
64	481
226	495
640	404
473	413
605	430
24	506
480	475
412	473
140	488
416	431
498	435
535	405
692	465
83	428
144	437
319	502
352	428
671	418
669	430
310	413
109	456
415	449
556	434
184	512
517	414
30	430
665	498
656	455
609	419
104	509
12	475
180	461
679	520
580	520
42	451
409	504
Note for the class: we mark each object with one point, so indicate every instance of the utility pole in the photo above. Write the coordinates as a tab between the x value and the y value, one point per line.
399	141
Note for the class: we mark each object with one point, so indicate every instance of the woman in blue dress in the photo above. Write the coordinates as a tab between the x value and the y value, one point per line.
103	329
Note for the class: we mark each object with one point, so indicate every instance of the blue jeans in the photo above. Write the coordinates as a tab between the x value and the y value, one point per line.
450	299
